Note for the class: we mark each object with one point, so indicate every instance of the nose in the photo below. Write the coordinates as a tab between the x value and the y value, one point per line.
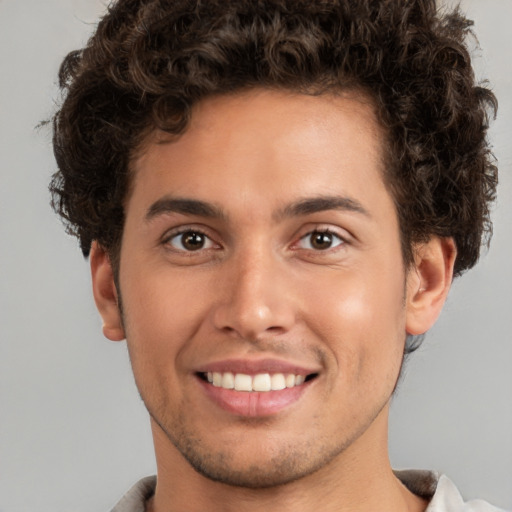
254	298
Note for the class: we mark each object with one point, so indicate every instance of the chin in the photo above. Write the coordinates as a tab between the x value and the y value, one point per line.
275	471
254	467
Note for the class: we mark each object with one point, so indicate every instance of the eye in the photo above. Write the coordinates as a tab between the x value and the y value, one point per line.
190	241
320	241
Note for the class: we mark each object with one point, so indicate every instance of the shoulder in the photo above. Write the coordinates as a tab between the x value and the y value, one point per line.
135	499
447	498
441	493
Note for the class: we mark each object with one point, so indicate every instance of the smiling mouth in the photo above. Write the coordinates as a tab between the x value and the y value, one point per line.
261	382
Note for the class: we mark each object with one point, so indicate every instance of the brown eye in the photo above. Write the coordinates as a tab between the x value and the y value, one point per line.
320	241
190	241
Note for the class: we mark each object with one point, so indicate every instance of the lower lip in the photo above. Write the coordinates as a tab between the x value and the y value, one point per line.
254	403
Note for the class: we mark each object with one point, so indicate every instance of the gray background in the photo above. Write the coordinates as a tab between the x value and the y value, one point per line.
73	432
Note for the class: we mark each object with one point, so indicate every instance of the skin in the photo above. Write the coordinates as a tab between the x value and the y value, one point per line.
258	289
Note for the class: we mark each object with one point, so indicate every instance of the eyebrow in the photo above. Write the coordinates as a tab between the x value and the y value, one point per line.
185	206
307	206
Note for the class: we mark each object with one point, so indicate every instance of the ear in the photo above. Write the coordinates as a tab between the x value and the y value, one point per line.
428	283
105	293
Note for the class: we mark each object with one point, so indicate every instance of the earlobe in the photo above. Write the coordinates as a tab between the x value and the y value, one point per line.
428	283
105	293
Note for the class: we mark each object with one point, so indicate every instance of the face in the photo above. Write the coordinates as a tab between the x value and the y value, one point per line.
261	251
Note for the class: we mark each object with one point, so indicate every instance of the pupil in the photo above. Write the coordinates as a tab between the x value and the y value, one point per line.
321	240
192	241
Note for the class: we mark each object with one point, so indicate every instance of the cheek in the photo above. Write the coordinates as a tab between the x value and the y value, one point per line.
361	319
152	310
159	298
359	301
160	314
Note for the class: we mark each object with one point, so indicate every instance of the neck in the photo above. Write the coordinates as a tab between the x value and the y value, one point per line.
358	480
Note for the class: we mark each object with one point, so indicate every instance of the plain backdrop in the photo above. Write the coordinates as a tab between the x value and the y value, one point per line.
73	432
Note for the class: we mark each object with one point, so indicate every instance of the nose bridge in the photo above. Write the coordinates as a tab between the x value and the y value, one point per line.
254	299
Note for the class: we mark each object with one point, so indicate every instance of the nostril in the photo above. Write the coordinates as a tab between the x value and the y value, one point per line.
274	329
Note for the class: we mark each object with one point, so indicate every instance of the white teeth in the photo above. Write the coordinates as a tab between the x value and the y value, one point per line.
228	380
261	382
278	382
243	382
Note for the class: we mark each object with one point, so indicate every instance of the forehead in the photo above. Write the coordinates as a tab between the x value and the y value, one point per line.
266	142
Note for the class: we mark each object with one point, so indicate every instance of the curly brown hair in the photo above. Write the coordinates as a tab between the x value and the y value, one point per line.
150	61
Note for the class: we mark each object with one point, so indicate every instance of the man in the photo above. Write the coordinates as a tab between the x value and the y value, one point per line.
275	197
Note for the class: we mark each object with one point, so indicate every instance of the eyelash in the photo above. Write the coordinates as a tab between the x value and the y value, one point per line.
193	231
327	232
213	245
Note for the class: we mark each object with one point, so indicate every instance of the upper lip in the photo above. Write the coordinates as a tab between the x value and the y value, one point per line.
254	367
